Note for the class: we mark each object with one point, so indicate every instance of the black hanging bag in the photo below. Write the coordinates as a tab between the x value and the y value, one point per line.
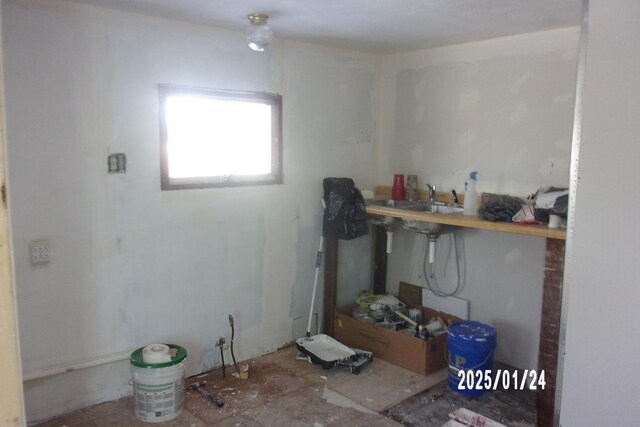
345	214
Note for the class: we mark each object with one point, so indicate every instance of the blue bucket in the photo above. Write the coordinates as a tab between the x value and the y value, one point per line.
471	347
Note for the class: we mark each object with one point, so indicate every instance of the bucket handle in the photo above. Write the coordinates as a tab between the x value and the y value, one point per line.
455	369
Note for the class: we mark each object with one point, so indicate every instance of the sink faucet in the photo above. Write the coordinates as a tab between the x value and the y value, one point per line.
432	192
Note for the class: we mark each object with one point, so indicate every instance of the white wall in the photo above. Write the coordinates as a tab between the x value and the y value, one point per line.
130	264
503	107
600	381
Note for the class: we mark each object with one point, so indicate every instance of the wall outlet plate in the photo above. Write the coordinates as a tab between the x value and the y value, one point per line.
39	250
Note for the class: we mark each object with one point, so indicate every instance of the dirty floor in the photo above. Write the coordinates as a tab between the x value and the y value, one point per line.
284	391
511	407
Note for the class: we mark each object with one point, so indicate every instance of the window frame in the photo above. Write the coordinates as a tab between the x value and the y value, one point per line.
271	99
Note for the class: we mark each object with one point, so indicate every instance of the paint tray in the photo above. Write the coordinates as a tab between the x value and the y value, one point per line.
324	350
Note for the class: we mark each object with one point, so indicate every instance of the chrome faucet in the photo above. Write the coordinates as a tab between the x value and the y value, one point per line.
432	192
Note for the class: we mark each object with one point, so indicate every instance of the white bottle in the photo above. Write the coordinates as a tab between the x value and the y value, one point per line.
470	195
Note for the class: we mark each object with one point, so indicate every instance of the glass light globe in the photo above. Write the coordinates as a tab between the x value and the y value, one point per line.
259	35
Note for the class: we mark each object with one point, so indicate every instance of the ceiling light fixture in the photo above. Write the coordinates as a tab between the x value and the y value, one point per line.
259	35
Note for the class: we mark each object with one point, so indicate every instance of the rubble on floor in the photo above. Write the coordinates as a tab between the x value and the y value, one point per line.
282	390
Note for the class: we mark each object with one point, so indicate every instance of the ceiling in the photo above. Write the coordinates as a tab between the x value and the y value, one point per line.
375	26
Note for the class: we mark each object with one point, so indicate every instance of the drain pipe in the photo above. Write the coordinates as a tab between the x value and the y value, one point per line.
432	240
389	240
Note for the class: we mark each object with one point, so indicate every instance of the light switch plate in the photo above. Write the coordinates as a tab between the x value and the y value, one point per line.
39	250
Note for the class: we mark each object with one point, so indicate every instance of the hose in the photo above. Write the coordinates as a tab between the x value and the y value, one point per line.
434	287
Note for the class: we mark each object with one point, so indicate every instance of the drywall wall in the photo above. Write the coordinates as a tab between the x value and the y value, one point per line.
130	264
504	108
600	382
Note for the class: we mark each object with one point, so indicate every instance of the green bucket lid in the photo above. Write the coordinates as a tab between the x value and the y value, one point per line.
137	360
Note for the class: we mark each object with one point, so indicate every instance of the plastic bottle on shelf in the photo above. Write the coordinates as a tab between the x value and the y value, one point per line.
470	195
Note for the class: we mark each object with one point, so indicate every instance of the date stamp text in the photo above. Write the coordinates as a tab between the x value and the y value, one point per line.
501	379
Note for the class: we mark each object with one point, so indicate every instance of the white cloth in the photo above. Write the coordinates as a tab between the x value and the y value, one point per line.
547	200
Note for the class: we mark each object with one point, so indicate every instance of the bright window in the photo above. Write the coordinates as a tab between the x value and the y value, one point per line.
214	138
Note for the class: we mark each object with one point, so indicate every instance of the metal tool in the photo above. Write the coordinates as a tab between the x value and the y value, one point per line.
220	343
199	387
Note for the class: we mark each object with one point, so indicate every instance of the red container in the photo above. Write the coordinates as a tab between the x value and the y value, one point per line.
397	191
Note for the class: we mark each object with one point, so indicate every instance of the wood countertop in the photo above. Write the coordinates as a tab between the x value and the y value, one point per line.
461	220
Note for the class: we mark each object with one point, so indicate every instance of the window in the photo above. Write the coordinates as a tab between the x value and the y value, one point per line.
216	138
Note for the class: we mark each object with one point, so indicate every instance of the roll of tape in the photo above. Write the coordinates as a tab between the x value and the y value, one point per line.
156	353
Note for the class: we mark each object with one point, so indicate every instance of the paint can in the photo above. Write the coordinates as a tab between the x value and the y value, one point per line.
470	349
158	388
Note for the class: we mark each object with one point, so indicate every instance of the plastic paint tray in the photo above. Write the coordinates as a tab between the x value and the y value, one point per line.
324	350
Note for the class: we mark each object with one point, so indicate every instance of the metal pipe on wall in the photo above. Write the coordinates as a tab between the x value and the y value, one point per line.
75	366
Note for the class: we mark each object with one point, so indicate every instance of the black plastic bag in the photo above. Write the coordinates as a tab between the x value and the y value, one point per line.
345	213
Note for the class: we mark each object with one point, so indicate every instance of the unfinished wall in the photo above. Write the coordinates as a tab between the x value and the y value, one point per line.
130	264
504	108
600	382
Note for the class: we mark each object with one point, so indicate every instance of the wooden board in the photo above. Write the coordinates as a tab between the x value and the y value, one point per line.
466	221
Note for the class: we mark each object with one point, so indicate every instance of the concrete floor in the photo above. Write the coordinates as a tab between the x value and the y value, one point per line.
282	390
514	408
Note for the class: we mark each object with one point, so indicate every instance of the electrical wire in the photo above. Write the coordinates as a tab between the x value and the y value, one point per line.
461	276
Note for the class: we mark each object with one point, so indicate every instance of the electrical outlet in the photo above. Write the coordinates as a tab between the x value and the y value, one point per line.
39	250
117	163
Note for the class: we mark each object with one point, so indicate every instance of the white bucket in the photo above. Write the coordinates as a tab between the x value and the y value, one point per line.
158	390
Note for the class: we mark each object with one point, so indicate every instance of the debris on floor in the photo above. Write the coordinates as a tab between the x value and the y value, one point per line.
284	391
464	417
431	408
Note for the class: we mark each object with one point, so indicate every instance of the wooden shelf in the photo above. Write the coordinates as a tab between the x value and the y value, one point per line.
461	220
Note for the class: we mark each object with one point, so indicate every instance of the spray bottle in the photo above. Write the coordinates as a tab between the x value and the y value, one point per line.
470	194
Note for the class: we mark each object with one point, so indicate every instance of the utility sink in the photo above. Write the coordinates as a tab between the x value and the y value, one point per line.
387	221
424	227
432	229
433	208
399	204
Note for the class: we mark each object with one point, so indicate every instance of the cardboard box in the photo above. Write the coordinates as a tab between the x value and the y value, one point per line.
415	354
